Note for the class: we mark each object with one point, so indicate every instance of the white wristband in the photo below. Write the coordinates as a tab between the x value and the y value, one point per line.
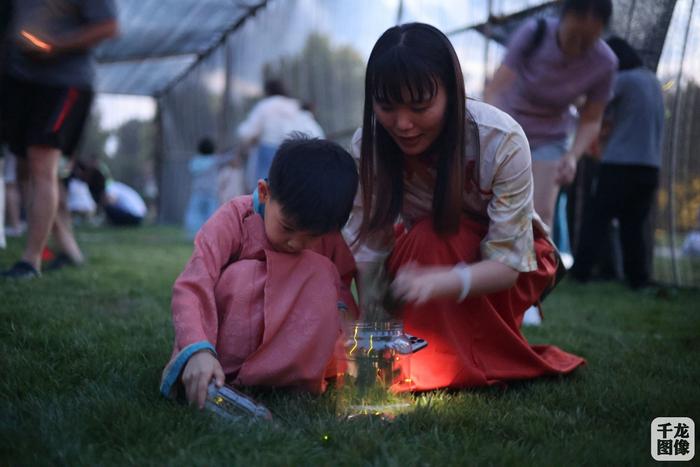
465	275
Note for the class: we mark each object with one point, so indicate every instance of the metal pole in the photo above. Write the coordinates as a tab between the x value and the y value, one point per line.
674	149
630	15
206	53
487	43
159	158
225	118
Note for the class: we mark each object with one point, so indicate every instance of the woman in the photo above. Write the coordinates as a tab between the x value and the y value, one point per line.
473	255
549	66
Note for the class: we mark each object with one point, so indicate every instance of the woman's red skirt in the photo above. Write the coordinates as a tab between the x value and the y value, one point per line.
476	342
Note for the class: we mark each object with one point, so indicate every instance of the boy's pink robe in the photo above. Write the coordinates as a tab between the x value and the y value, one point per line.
272	317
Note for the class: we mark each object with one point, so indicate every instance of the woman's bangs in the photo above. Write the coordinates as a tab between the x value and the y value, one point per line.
401	78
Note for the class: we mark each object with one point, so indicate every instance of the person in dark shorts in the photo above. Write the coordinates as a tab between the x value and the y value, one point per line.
45	97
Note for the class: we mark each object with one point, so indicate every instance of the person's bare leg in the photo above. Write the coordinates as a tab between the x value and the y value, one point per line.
546	189
63	230
43	178
545	192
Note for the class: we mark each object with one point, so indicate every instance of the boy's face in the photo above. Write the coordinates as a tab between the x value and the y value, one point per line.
282	234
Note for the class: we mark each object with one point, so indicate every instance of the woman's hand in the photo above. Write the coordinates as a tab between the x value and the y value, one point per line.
198	372
420	284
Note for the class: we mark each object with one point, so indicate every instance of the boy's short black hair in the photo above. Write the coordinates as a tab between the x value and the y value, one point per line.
601	9
314	181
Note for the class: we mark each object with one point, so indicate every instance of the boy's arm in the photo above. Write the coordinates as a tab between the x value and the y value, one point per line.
194	311
195	316
333	246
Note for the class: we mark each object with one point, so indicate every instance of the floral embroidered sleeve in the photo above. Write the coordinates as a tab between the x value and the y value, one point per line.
510	237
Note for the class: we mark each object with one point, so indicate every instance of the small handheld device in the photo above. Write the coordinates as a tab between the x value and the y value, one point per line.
416	343
233	405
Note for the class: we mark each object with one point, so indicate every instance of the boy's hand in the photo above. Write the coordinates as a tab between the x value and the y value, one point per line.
420	284
198	372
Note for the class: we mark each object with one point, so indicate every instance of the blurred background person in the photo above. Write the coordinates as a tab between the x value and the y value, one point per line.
5	17
204	188
230	181
122	205
307	122
269	122
628	175
549	64
79	201
14	227
3	241
691	244
67	252
45	98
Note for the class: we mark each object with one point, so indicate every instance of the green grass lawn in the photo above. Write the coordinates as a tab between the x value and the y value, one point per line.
81	353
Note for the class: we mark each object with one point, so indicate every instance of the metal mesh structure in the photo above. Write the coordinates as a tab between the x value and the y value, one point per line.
205	62
161	40
642	23
312	50
678	208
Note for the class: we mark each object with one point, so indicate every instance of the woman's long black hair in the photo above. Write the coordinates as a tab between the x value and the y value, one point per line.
412	60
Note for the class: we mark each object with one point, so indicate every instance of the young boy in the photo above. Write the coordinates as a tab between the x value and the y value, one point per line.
258	302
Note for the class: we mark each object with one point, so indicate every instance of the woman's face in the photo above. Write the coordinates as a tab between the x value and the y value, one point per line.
414	126
578	33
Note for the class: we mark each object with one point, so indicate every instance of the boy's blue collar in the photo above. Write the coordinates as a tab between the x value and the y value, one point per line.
257	205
